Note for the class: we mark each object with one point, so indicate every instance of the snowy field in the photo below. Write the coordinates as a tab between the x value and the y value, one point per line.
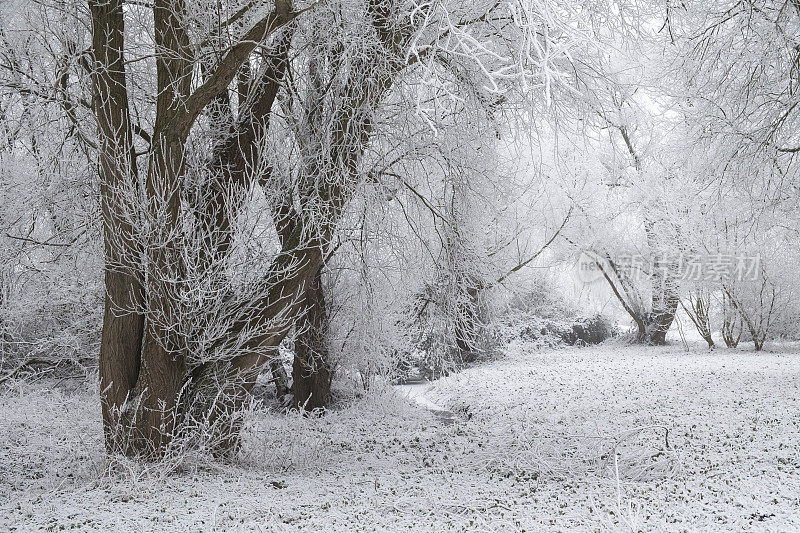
610	438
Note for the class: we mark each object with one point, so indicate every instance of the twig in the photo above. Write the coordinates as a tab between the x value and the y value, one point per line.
29	362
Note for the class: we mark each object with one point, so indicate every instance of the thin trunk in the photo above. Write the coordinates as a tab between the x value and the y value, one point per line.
698	312
470	325
279	377
5	291
755	319
732	323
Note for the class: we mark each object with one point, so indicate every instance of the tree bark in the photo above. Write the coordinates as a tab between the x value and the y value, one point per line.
230	382
144	368
651	326
311	371
153	415
732	323
661	318
123	324
232	173
279	377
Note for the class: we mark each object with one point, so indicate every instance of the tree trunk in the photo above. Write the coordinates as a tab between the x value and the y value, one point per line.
279	377
143	367
144	371
311	371
470	327
220	390
698	312
732	323
661	318
163	368
704	328
123	324
232	172
653	328
664	297
5	291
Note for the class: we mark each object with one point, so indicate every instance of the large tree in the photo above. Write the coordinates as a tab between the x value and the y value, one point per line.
143	366
193	313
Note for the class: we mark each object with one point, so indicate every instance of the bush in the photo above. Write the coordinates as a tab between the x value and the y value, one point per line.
540	315
540	299
592	330
575	331
51	316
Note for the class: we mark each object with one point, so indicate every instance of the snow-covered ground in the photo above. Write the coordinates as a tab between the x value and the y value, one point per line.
615	437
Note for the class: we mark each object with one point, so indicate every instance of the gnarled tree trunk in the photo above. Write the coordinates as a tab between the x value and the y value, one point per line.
660	319
143	372
651	326
145	369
